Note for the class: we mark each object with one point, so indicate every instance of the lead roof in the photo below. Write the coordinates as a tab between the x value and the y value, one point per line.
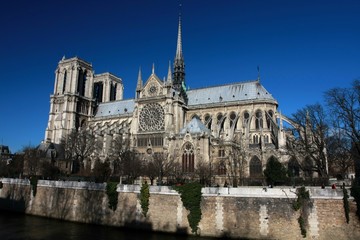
234	92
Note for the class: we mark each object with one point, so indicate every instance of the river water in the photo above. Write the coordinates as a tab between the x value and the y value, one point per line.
15	226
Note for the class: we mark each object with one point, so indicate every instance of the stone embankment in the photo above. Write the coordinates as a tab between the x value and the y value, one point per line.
244	212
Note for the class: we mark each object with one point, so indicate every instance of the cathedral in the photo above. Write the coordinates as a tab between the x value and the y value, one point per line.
234	128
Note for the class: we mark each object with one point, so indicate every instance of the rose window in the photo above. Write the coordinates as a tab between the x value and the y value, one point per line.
152	117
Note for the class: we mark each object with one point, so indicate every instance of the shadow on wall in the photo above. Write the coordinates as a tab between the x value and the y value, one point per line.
17	198
9	204
90	207
58	204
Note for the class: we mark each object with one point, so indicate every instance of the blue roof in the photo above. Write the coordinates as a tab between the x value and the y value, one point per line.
195	126
233	92
241	91
115	108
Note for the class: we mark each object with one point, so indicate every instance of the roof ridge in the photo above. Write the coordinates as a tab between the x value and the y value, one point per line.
224	84
122	100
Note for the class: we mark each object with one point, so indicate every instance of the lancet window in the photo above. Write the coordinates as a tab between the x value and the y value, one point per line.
232	119
188	158
246	118
64	82
258	120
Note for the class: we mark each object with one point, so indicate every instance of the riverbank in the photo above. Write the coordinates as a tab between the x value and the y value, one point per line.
244	212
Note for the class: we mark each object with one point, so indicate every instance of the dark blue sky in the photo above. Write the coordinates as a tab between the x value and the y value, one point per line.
303	48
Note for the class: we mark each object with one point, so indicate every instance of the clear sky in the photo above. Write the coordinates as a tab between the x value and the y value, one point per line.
303	48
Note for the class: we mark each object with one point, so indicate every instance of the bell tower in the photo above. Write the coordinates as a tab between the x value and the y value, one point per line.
72	102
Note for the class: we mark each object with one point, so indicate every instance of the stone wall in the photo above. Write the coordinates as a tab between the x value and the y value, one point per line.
246	212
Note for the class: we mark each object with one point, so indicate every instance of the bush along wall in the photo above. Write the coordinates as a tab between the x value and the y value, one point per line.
144	198
191	197
112	195
303	204
355	192
33	183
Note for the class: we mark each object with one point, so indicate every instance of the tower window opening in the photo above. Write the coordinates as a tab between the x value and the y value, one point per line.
64	83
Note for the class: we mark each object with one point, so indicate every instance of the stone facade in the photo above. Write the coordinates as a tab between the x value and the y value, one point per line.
213	125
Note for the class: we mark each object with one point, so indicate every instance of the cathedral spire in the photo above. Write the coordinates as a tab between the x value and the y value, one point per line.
179	41
179	65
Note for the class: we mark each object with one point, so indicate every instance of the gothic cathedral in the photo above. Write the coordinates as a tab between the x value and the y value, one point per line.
212	125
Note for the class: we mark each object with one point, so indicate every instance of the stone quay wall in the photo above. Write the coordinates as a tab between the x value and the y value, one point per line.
243	212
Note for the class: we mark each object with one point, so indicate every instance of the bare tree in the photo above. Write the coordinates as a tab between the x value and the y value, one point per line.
119	147
13	168
237	162
339	150
130	166
101	170
203	171
78	146
344	104
31	161
161	166
308	143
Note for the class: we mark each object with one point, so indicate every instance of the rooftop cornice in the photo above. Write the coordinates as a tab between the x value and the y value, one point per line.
69	60
107	74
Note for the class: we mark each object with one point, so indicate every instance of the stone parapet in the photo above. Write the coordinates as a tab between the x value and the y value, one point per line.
243	212
72	185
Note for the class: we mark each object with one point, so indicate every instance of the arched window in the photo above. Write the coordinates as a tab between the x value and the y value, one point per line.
293	168
81	82
220	121
269	117
255	167
113	92
258	119
195	116
82	93
98	91
255	139
266	139
232	119
64	82
188	158
208	121
246	118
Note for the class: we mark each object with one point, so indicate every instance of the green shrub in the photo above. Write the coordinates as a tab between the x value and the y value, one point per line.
355	192
275	172
302	203
191	197
33	183
302	226
144	198
112	195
